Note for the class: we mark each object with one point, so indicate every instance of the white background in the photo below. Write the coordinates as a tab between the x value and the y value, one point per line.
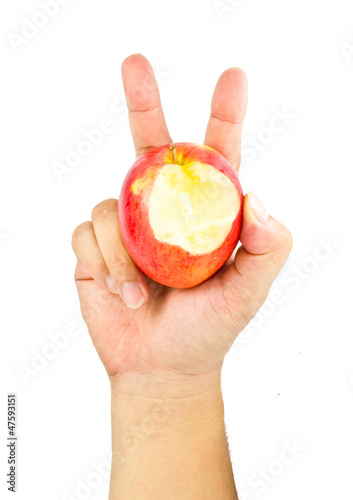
291	378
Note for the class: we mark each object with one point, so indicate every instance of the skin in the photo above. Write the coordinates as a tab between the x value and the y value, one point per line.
163	348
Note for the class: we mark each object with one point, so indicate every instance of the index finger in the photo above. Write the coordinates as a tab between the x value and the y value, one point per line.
228	110
147	123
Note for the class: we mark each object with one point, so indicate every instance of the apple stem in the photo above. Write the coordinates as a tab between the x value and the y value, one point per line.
172	148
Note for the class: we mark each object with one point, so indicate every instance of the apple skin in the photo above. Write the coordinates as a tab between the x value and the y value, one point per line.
169	264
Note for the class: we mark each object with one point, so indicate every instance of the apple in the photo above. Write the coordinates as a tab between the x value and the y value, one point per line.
180	213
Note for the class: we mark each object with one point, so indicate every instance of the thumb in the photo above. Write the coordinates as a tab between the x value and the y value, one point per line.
266	244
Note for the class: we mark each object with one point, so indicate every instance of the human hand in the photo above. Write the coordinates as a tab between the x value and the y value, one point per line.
140	327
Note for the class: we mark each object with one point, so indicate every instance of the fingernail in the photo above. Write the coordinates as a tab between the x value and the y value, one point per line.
132	295
258	208
110	284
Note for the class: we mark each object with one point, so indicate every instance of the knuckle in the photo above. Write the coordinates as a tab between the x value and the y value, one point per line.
283	240
79	231
121	268
281	247
235	160
104	208
142	150
289	239
241	306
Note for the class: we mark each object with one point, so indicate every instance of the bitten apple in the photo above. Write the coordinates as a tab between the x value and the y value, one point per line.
180	213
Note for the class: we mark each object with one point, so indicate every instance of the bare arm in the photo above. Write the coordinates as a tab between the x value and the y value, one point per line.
163	348
169	440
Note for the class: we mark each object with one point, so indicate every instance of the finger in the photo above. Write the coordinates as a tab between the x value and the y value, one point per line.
124	275
266	244
146	117
90	264
228	110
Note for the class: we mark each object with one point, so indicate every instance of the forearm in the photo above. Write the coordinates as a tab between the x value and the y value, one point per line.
169	440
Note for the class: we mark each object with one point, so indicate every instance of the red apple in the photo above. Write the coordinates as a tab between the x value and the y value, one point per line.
180	213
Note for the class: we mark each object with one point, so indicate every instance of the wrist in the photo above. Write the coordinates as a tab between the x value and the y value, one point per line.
169	428
147	409
165	385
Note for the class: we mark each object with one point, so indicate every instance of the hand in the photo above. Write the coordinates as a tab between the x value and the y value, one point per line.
140	327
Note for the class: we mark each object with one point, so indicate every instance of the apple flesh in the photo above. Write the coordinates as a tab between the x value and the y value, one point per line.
180	213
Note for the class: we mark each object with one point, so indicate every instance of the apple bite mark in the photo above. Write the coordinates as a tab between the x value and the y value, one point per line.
192	205
180	213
